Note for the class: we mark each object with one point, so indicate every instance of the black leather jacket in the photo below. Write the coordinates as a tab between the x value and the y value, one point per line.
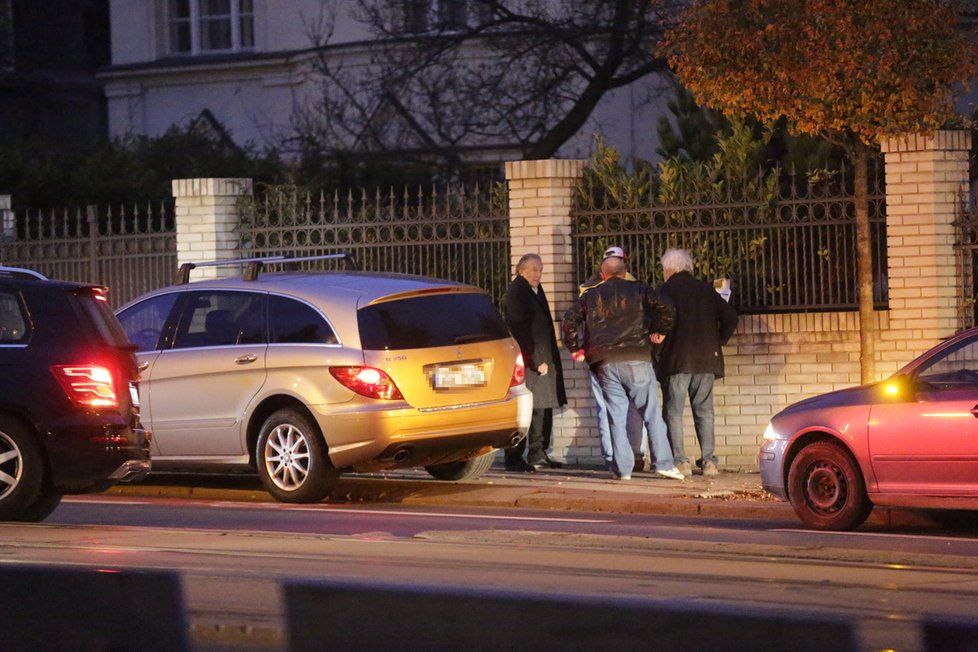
613	321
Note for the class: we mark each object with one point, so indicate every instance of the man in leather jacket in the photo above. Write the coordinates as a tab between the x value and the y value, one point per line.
613	326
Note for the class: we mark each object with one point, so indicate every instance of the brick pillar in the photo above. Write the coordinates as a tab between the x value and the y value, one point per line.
926	178
207	216
541	194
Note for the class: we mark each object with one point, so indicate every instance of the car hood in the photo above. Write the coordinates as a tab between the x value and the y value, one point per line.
861	395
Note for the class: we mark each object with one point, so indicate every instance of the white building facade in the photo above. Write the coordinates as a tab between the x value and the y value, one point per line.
250	65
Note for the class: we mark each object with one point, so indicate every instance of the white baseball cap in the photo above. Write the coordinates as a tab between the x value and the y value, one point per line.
614	252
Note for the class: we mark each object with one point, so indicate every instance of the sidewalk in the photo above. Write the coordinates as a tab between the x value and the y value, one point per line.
735	494
731	494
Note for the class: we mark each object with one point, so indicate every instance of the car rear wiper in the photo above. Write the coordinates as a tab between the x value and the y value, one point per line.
471	337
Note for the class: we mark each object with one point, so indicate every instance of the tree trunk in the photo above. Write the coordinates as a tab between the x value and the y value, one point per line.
864	265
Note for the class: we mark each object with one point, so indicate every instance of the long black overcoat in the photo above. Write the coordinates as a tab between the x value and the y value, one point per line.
704	323
527	314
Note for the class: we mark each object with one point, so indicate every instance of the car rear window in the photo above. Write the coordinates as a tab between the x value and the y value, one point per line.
96	307
430	321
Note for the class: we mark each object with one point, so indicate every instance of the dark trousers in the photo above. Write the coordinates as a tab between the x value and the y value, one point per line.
537	438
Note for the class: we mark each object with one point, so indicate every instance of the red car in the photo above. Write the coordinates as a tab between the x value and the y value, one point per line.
909	441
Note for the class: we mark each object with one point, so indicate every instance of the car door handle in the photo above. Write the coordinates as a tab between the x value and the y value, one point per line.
246	359
143	366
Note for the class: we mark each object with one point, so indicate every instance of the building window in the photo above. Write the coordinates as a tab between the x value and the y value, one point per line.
205	26
423	16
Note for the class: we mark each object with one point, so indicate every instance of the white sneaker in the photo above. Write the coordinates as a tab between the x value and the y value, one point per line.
672	474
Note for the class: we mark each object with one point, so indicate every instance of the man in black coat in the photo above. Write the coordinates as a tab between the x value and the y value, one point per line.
691	357
527	314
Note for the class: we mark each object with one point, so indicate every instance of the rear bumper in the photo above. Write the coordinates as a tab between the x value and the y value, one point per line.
368	436
88	455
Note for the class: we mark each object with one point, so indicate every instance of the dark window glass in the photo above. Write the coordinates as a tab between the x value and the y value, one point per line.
294	322
953	368
180	33
144	322
452	14
416	16
220	319
96	308
428	321
13	322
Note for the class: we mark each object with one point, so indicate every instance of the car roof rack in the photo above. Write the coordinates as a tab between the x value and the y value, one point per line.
255	265
20	272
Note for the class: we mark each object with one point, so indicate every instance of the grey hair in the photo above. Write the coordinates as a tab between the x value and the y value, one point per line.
525	260
678	260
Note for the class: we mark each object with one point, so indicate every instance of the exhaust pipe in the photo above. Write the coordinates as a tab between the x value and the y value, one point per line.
402	454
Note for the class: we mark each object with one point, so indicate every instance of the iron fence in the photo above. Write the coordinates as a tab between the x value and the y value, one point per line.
131	249
966	245
459	233
786	245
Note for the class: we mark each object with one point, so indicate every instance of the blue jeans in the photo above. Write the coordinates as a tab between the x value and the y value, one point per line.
634	424
633	381
699	387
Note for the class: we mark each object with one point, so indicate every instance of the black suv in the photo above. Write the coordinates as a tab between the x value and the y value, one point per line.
69	404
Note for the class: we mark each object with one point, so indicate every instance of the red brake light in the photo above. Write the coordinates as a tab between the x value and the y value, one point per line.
87	385
519	372
367	381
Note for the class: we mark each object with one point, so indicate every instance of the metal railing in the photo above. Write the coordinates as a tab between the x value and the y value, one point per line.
966	244
787	246
460	233
131	249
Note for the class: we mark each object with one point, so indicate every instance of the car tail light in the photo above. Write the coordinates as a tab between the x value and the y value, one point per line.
519	372
87	385
367	381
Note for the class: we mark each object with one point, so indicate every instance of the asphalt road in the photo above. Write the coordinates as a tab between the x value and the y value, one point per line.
235	556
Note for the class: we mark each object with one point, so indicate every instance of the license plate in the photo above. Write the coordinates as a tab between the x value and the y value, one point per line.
459	375
134	395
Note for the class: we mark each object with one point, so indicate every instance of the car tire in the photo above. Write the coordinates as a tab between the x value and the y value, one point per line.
464	470
21	471
291	459
826	488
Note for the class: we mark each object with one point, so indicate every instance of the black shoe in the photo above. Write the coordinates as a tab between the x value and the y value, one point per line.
520	467
547	463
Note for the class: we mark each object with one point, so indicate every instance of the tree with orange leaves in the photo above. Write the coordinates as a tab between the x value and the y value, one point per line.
850	71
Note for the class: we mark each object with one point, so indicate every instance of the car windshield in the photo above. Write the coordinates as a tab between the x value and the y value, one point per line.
430	321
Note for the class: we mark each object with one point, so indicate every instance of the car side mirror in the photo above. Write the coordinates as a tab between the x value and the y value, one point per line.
898	388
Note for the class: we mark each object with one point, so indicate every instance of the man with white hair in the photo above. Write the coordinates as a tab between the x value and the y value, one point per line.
692	357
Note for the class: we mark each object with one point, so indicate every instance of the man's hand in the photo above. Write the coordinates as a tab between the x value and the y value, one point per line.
542	369
657	338
578	355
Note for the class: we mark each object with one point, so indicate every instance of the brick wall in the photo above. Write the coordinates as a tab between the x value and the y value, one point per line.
775	360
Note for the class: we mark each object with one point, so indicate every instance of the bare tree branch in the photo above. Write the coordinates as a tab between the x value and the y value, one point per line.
517	74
